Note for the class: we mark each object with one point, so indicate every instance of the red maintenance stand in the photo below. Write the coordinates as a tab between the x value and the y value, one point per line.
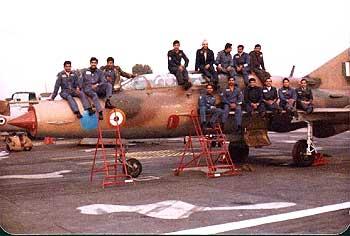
212	152
115	169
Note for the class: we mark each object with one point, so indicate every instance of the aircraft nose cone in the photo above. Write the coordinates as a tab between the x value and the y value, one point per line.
26	121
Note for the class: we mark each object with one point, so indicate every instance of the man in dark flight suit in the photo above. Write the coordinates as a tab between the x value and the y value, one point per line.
253	98
205	63
304	97
257	64
175	67
270	97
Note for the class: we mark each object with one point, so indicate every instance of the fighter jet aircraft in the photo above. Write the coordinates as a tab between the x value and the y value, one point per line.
151	101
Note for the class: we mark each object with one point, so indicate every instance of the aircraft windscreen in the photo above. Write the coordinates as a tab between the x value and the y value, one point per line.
158	81
150	81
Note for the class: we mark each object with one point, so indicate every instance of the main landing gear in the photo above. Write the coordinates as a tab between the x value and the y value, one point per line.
304	151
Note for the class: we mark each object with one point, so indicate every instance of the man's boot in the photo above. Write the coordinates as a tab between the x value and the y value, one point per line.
108	104
100	115
91	112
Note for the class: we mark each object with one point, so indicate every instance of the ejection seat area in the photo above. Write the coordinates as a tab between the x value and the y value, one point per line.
151	81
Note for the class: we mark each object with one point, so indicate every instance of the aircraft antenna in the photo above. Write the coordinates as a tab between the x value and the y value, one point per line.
292	72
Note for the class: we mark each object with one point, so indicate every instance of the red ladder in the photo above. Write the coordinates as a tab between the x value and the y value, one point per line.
217	160
115	170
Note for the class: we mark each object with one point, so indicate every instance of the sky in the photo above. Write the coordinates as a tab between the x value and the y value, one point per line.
37	36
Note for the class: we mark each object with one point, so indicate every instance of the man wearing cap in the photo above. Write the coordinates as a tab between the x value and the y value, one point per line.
257	64
205	63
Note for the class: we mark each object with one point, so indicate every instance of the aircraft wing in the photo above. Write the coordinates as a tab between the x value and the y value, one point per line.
325	114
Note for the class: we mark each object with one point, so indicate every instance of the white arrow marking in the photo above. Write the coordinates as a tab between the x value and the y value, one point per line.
56	174
172	209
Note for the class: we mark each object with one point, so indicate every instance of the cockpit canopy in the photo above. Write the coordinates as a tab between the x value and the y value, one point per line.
158	81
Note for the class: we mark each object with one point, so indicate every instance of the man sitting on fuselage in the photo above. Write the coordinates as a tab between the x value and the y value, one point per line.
232	100
206	104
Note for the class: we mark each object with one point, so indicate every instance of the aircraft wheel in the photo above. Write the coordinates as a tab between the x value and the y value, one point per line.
27	149
133	167
299	154
239	152
8	148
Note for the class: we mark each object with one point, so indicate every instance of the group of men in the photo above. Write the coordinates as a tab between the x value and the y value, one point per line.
91	83
254	99
240	63
97	83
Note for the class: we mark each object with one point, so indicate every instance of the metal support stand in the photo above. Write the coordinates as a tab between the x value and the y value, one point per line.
217	159
115	170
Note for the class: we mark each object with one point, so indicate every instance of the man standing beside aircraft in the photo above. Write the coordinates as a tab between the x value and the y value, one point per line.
257	64
253	98
241	62
69	83
206	104
270	97
224	63
205	63
113	73
232	99
288	98
94	84
176	68
304	97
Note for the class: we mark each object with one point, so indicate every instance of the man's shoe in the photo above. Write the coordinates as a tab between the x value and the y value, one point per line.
77	113
108	104
295	114
91	112
187	85
100	115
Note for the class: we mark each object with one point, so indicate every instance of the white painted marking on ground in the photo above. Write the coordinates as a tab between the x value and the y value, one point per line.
215	229
4	155
146	178
286	141
57	174
172	209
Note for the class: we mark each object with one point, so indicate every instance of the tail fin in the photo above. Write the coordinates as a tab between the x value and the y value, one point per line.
334	74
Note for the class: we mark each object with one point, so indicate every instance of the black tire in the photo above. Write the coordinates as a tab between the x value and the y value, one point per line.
299	157
134	167
8	147
238	151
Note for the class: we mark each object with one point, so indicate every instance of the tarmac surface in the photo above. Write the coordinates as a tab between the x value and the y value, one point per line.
47	191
